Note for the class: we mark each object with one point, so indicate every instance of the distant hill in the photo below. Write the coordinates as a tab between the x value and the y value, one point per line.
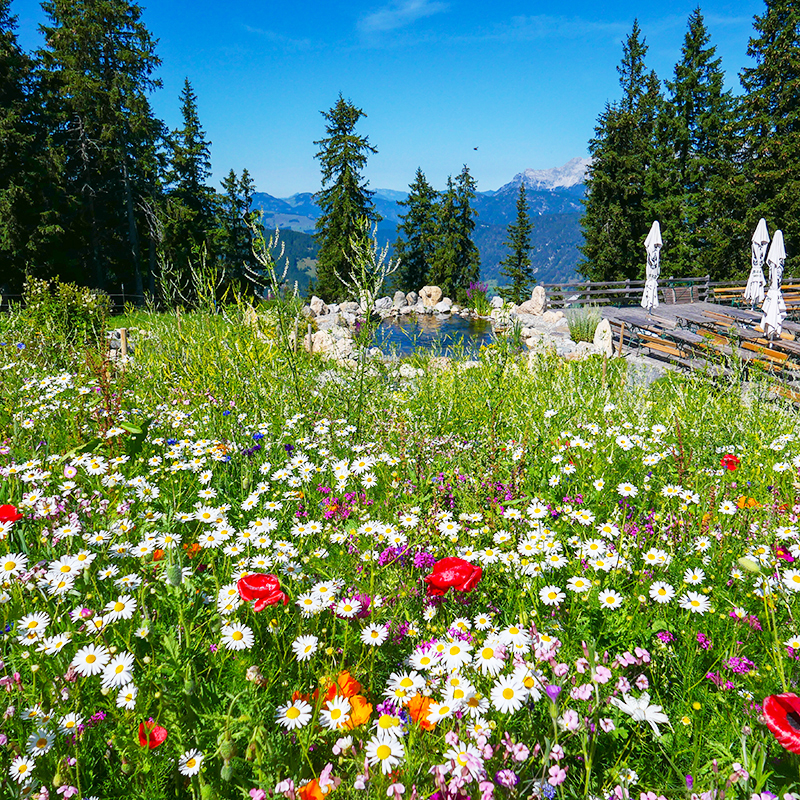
554	201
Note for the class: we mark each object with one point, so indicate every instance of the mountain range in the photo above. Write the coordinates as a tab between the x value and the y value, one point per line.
554	202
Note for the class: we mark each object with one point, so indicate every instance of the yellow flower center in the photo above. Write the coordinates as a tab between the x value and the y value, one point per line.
508	693
293	713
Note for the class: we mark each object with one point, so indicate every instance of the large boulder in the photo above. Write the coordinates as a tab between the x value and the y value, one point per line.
412	298
317	306
350	307
496	301
399	299
443	306
383	304
536	305
430	295
603	338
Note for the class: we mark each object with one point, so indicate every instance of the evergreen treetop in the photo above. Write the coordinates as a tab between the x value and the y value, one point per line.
516	266
344	198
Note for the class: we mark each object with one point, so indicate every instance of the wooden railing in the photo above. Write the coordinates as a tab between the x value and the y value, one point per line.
670	290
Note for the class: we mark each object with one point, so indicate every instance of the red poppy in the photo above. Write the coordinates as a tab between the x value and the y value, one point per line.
265	589
452	573
729	461
782	715
9	514
151	735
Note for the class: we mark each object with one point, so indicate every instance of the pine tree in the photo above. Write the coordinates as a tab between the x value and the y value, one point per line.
469	259
192	205
97	68
699	114
344	197
516	266
771	114
620	186
455	262
416	242
233	243
444	261
17	163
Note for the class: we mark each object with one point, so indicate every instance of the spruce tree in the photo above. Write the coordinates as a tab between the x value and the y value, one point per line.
18	166
97	72
344	197
444	261
516	266
468	268
771	116
191	217
698	157
620	186
417	235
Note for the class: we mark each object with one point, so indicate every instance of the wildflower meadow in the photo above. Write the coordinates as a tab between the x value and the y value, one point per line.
229	570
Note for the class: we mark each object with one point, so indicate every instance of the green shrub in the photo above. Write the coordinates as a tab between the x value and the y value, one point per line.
63	313
583	323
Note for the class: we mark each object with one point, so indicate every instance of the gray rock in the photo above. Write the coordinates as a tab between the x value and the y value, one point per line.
399	300
455	309
412	298
496	301
383	304
539	300
318	307
350	307
327	321
443	306
406	310
430	295
603	338
552	316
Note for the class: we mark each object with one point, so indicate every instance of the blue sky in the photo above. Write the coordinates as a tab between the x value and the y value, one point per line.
522	81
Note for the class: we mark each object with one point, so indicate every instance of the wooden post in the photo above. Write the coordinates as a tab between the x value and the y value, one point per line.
123	342
621	333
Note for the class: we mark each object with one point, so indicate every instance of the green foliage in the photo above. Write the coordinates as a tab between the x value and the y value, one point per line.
771	120
97	70
619	182
477	442
583	323
344	198
516	266
64	314
416	242
696	162
456	260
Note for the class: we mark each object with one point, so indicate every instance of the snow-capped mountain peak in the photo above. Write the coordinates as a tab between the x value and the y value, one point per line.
571	174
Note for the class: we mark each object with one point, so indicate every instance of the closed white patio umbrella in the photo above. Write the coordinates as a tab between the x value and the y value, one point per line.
774	307
653	245
754	291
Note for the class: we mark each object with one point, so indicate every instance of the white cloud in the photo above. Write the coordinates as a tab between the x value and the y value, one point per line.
399	14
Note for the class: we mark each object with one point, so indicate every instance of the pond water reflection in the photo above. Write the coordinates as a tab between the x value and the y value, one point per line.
406	334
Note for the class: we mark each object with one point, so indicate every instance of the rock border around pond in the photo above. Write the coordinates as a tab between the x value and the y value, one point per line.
333	325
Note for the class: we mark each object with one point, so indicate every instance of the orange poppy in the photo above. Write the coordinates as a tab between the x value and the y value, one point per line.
348	685
747	502
418	708
310	791
158	555
360	711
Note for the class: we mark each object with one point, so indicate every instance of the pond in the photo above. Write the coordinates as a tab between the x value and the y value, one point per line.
406	334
